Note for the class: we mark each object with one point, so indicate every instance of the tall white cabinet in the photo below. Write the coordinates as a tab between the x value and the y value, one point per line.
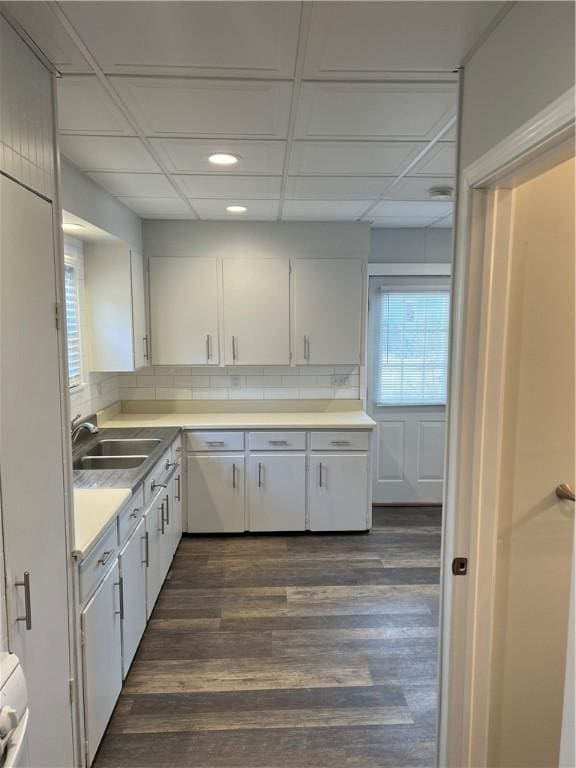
256	310
114	276
184	311
327	311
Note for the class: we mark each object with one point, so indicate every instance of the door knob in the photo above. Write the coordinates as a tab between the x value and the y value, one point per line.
565	491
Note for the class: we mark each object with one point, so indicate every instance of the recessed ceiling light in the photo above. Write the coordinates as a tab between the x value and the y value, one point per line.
236	209
440	193
71	226
223	158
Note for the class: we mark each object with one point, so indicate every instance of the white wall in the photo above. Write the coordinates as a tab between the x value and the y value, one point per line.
427	246
526	63
84	198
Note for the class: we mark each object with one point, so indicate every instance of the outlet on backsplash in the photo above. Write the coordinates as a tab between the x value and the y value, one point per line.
340	380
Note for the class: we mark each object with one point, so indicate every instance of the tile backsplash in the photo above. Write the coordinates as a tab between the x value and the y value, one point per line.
242	383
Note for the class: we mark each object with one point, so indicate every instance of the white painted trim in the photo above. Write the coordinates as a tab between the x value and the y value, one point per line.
480	304
409	270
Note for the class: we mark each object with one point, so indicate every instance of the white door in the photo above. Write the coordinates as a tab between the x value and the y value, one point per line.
141	345
153	519
276	492
534	527
406	352
132	560
176	489
30	444
102	659
327	311
256	294
215	493
338	492
184	311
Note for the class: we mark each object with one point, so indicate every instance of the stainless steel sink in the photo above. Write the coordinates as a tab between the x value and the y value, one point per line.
109	462
123	447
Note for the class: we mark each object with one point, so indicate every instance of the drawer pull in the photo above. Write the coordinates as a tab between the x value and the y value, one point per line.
154	485
27	601
339	442
135	512
170	464
215	442
278	442
105	557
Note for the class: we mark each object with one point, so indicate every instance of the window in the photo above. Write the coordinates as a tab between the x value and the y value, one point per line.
411	355
72	322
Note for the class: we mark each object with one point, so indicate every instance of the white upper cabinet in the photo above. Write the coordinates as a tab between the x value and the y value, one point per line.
256	311
327	311
116	308
184	311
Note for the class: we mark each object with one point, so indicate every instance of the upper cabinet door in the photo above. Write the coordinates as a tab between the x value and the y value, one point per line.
256	311
328	311
184	311
141	345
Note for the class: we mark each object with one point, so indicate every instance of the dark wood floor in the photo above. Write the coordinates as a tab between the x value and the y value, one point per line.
311	651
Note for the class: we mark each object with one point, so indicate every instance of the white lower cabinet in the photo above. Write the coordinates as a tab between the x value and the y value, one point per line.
153	518
176	501
132	560
215	493
277	492
338	492
102	658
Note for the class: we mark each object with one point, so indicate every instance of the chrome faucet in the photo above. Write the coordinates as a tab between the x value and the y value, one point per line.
78	427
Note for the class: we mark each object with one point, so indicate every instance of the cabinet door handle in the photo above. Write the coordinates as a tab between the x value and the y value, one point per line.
27	600
306	349
105	557
146	540
146	350
161	529
208	347
234	350
260	474
178	485
234	476
167	509
321	481
120	585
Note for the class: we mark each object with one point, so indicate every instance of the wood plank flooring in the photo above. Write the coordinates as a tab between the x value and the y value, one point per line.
301	651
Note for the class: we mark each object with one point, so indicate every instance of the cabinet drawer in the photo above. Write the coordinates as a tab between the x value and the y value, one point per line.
215	441
340	441
277	441
93	568
130	515
157	476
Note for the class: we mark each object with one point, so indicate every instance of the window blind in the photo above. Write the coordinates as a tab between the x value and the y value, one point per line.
411	356
73	325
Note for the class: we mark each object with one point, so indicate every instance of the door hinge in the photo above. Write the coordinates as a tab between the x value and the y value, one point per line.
460	566
57	315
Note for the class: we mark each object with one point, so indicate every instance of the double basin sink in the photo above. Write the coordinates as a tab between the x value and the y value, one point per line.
117	453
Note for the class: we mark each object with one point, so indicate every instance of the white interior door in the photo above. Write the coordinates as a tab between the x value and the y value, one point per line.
184	311
32	469
408	447
256	294
327	311
534	528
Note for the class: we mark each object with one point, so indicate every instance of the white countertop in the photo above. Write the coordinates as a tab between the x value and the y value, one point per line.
94	509
264	420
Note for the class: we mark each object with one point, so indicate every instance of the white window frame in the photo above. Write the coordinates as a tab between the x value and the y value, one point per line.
73	260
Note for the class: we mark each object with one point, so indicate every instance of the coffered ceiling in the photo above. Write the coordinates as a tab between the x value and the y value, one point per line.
336	110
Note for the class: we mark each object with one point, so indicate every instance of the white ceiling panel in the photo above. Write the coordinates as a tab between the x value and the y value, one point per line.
207	108
85	107
418	187
368	39
257	210
403	222
439	161
43	26
191	155
158	207
224	187
336	188
323	210
190	38
398	111
134	184
410	208
446	223
107	153
355	158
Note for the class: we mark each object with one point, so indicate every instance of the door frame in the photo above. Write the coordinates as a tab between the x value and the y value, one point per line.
480	297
